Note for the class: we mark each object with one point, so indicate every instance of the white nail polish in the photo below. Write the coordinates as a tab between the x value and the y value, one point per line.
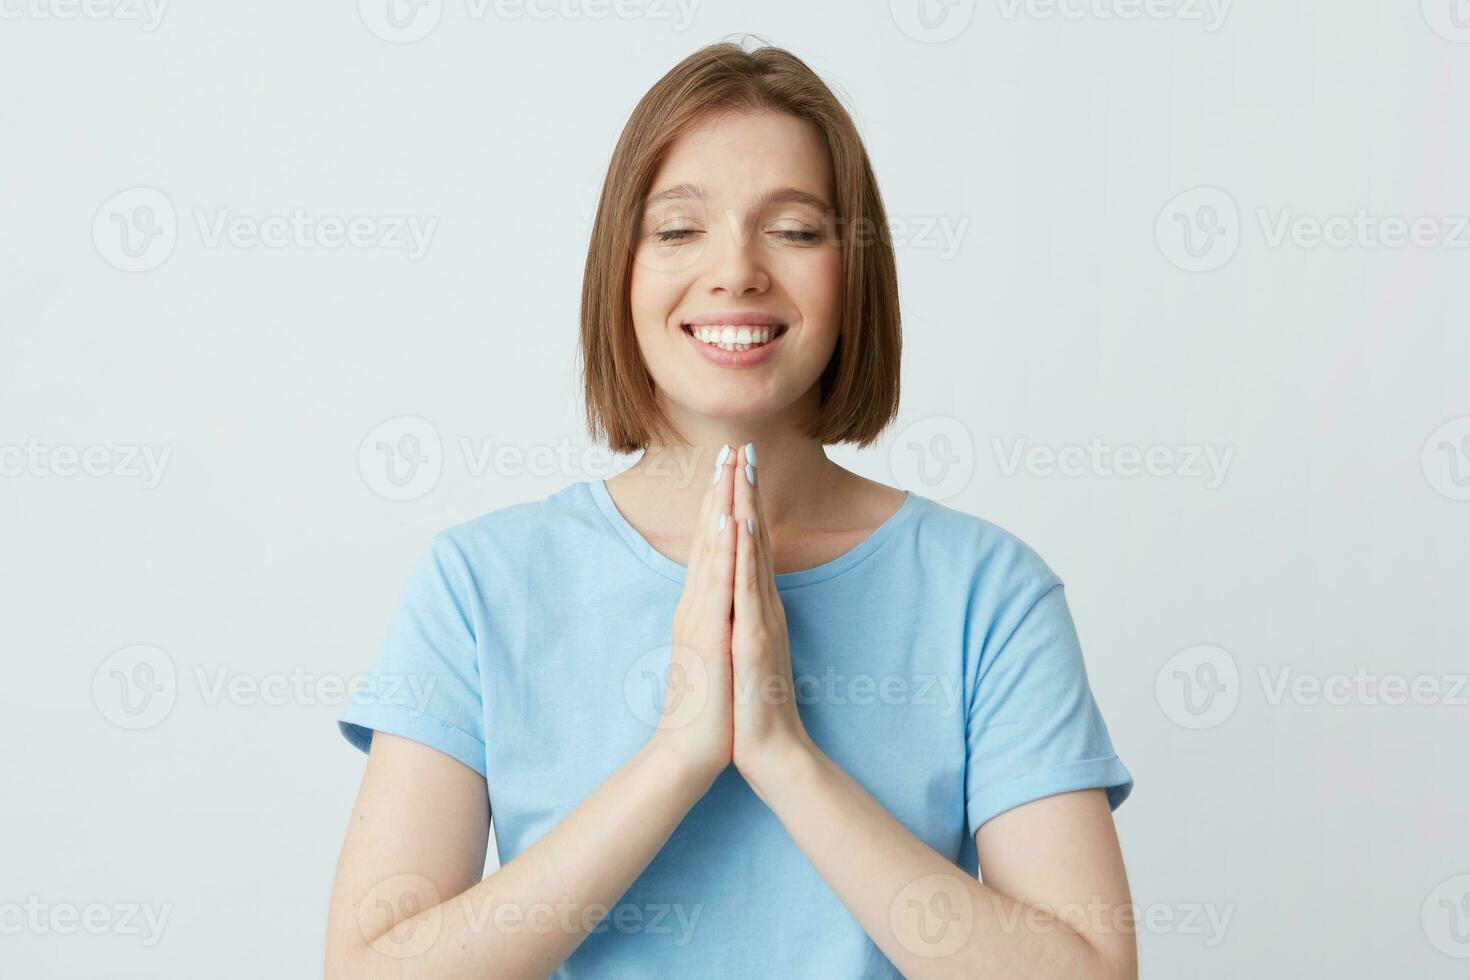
724	454
750	525
718	471
750	453
750	474
722	522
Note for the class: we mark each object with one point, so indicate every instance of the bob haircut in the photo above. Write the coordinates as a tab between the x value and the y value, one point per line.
860	385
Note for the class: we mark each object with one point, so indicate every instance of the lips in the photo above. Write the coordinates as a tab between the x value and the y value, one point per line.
748	346
734	331
737	318
734	337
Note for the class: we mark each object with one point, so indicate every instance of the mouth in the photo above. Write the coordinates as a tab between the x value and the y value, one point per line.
735	337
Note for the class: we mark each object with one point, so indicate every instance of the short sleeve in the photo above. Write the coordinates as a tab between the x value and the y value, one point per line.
424	684
1033	728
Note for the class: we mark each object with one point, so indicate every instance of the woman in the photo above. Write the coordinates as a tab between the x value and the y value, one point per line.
790	755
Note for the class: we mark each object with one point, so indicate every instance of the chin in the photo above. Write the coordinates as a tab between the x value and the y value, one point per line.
733	406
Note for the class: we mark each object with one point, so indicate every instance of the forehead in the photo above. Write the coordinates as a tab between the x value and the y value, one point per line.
740	156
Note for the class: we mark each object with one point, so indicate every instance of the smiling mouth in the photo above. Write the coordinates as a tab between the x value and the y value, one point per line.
729	337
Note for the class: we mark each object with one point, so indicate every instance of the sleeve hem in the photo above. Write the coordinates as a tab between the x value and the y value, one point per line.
358	724
1104	773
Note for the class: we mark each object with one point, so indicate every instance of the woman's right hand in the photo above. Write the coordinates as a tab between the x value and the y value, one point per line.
698	710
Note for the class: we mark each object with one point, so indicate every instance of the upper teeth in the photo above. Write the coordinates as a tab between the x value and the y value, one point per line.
728	334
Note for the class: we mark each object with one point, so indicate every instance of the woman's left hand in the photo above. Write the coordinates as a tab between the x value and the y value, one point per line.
767	725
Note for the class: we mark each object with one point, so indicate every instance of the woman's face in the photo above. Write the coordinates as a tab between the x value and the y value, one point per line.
737	233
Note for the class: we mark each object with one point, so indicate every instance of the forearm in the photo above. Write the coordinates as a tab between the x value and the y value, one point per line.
527	917
928	916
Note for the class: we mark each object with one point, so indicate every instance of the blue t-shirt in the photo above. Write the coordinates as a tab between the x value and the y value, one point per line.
936	663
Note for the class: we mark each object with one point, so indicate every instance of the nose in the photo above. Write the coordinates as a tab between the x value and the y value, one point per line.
736	266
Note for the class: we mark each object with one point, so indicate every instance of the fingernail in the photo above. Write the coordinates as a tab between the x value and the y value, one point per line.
718	471
724	454
722	522
750	473
750	453
750	525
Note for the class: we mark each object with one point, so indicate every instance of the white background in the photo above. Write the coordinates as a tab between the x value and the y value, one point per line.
1065	309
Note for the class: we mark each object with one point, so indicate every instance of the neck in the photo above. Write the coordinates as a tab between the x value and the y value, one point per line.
792	472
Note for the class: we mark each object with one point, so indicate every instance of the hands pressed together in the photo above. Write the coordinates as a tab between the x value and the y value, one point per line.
730	695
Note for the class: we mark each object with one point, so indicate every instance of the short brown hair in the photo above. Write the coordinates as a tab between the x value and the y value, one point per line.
860	385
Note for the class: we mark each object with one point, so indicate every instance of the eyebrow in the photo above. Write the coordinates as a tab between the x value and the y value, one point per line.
777	195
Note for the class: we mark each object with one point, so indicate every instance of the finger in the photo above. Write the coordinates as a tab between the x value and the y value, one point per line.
763	545
753	507
717	584
748	568
706	530
747	592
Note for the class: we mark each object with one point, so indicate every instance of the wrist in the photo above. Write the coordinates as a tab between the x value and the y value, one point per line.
780	763
677	759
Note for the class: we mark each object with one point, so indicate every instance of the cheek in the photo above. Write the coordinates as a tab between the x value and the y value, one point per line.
651	297
650	303
638	293
820	297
